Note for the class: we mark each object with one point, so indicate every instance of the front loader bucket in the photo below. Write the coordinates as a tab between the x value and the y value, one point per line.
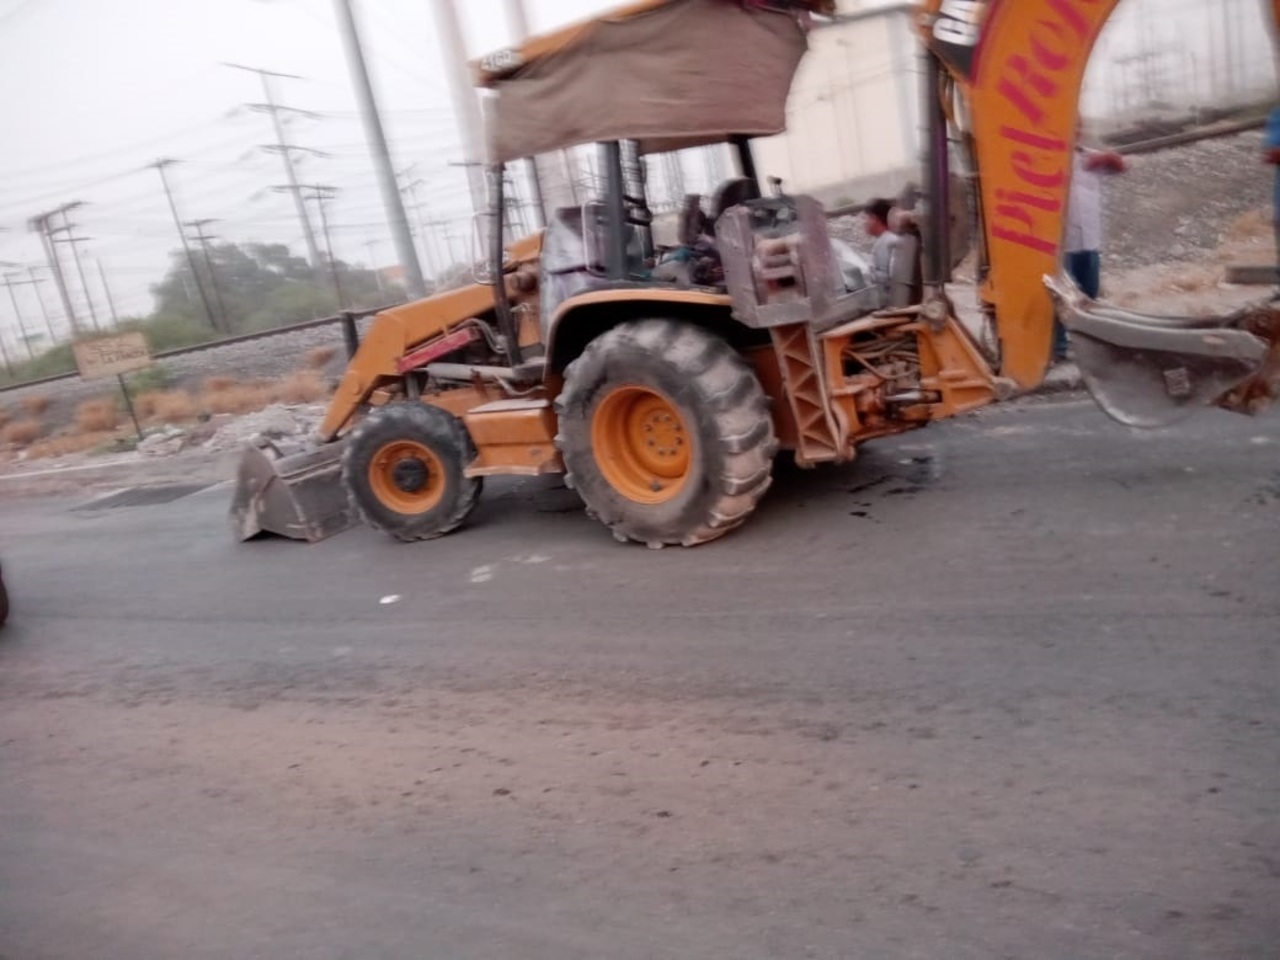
1153	371
297	494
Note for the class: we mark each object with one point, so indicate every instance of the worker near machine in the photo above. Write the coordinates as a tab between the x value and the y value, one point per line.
1271	153
886	242
1083	241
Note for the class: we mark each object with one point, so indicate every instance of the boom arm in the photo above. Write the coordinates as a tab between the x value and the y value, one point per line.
1020	65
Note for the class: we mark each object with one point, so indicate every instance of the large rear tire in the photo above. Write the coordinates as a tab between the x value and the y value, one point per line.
666	433
404	471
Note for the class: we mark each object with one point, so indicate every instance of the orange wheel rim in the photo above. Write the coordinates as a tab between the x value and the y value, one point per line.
641	444
406	476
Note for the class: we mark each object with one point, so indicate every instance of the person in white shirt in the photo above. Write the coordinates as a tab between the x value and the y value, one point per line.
886	242
1082	245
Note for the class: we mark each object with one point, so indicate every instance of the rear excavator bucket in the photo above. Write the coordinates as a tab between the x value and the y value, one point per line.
296	493
1153	371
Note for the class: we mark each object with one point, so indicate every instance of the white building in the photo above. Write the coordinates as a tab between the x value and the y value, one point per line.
854	114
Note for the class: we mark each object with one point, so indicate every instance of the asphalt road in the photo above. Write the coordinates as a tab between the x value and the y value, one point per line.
1005	688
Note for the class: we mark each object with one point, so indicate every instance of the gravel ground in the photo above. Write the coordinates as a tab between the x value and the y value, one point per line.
1179	205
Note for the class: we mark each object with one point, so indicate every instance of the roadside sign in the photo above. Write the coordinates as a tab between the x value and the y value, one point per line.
111	356
114	356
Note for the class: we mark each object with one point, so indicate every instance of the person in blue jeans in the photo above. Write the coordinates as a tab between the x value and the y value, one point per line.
1271	148
1082	244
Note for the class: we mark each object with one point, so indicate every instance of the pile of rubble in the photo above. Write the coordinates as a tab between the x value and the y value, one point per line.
277	422
226	433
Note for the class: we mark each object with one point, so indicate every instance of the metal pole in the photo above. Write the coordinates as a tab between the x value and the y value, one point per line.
74	243
392	204
203	239
371	245
411	189
4	355
286	152
497	252
937	260
160	166
44	310
111	304
615	209
321	194
350	333
22	327
41	224
128	403
466	106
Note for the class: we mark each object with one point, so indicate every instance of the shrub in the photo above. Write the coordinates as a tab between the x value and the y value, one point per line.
169	406
238	398
305	387
218	384
69	443
36	405
22	432
320	357
97	416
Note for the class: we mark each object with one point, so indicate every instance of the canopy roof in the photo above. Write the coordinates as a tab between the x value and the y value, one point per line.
669	74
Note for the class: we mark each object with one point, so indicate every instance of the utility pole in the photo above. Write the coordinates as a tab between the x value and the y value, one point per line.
428	246
43	224
4	355
111	304
393	206
34	281
285	149
74	242
161	166
371	244
203	239
17	312
466	106
321	193
44	310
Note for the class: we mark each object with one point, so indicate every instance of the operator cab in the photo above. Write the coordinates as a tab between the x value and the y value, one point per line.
608	243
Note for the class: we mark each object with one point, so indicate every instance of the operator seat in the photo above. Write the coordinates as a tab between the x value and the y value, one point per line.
731	193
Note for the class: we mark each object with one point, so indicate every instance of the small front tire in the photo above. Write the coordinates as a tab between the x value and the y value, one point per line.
404	469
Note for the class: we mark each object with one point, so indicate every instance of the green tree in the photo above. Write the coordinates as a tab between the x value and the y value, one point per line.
259	286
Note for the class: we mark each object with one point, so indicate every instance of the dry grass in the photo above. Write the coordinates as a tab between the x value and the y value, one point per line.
166	406
320	357
96	416
219	384
306	386
1253	225
238	398
37	405
22	432
68	443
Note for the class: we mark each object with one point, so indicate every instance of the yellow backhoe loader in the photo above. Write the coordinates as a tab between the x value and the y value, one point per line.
662	382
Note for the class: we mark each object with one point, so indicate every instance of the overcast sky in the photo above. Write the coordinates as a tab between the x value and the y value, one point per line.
95	90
